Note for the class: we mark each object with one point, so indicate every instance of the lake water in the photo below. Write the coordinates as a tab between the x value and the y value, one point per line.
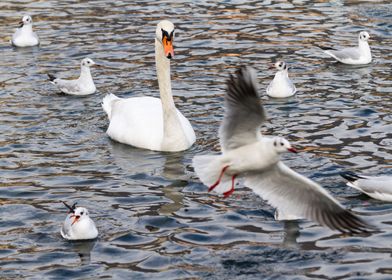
156	220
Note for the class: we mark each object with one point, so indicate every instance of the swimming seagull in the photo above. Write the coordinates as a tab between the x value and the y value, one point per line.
377	187
281	86
84	85
246	154
354	55
24	36
78	225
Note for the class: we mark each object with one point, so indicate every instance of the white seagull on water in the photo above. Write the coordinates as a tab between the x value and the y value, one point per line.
281	86
377	187
355	55
84	85
78	225
247	154
24	36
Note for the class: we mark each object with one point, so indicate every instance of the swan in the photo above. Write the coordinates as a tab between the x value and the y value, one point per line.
148	122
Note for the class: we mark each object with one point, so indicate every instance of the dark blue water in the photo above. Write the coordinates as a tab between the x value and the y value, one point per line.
156	220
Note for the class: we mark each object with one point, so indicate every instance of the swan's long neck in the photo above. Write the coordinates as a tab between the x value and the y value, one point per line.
173	133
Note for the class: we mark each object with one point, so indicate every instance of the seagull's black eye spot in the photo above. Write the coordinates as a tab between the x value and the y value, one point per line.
281	143
81	213
274	143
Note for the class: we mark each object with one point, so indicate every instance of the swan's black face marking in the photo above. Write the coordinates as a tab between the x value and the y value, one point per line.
166	35
167	42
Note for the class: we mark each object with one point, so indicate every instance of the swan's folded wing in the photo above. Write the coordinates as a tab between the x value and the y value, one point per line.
243	111
293	193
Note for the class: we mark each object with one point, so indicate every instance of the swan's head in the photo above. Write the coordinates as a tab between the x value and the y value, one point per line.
281	145
364	36
280	65
80	213
165	35
26	20
87	62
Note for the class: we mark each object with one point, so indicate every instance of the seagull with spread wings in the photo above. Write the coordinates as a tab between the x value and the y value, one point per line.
256	158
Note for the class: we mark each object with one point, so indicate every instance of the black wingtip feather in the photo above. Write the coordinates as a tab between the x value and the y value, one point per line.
71	208
242	90
350	176
51	77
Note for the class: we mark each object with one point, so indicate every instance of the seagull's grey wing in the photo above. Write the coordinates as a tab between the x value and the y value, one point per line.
36	37
66	228
345	54
369	184
293	193
68	86
243	111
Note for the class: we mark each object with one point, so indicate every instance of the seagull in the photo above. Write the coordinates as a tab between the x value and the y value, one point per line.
354	55
84	85
256	158
377	187
78	225
281	86
24	36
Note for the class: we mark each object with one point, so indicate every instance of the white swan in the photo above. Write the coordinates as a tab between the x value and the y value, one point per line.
148	122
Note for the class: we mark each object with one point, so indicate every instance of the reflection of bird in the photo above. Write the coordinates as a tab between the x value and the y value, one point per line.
78	225
84	85
147	122
256	158
281	86
354	55
24	36
377	187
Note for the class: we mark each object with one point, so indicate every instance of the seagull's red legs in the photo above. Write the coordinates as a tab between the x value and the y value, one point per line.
229	192
219	179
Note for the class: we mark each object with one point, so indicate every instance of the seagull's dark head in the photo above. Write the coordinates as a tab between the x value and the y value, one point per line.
281	145
364	36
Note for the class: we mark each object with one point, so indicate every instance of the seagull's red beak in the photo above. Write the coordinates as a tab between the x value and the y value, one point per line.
292	150
76	218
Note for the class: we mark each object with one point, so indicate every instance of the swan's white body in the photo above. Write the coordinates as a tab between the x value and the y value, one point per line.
24	36
148	122
281	86
355	55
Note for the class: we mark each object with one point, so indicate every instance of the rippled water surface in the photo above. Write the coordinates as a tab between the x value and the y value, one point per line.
156	220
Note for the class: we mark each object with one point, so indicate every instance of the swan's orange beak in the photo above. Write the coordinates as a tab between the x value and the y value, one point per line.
168	47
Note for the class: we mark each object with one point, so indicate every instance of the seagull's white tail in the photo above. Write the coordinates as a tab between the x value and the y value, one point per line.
208	168
107	103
